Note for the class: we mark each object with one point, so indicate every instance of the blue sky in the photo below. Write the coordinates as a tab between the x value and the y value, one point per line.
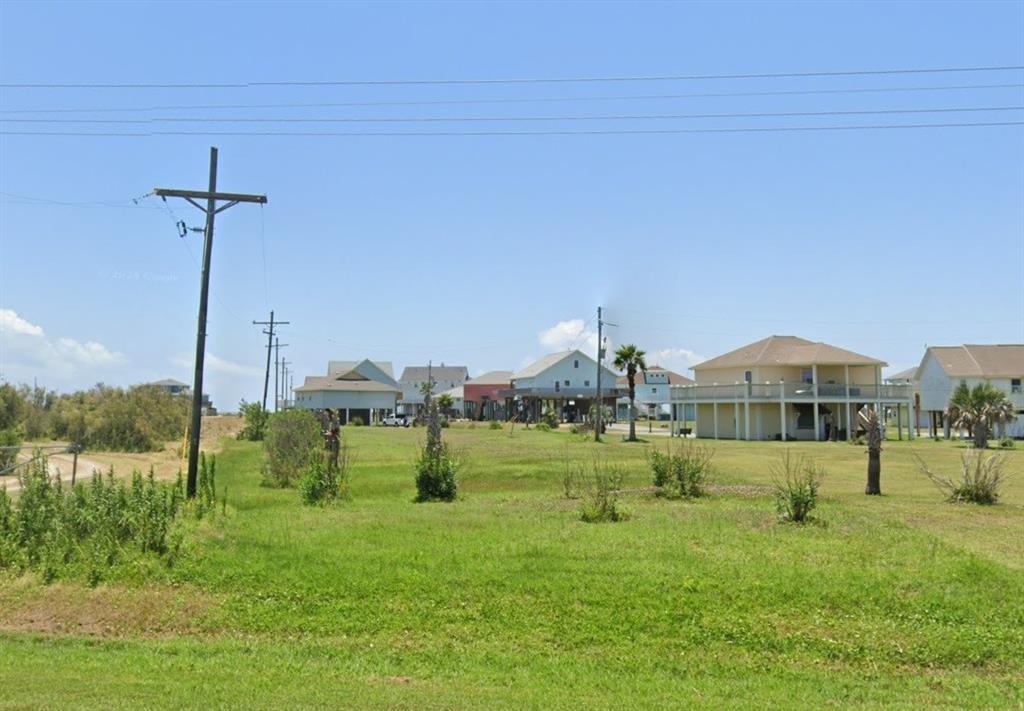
490	250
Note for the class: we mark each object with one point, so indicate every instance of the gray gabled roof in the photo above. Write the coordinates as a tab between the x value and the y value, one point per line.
418	373
539	366
492	377
168	382
344	366
315	383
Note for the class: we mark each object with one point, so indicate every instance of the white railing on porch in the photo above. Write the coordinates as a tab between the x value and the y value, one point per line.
790	391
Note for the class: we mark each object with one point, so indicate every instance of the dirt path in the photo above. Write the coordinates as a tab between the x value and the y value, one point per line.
165	463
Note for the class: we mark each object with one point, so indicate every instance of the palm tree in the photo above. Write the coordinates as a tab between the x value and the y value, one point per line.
979	410
631	359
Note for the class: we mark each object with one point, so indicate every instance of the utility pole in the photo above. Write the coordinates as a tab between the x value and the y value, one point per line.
284	383
270	340
600	355
600	359
277	369
211	196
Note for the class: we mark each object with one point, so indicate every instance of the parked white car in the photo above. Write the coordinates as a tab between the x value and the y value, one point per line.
396	421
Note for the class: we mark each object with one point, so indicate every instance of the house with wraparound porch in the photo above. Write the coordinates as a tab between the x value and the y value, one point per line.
786	387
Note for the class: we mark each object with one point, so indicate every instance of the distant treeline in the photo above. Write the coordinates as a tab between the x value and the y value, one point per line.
136	419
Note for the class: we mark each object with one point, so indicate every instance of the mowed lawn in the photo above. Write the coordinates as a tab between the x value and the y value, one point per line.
505	599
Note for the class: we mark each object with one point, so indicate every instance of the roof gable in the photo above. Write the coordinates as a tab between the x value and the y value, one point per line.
552	359
419	373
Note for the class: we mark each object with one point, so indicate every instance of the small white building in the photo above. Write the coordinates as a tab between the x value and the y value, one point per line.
943	368
362	389
445	377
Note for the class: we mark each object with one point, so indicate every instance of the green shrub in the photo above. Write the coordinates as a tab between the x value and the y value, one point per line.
981	477
436	469
292	438
600	502
9	438
684	472
495	425
324	481
255	420
543	427
796	481
471	426
550	418
357	421
574	429
1006	443
92	527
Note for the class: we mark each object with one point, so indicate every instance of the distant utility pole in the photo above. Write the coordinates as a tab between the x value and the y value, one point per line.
277	369
600	359
270	342
284	383
211	196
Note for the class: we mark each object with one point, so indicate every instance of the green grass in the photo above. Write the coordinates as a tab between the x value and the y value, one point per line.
506	599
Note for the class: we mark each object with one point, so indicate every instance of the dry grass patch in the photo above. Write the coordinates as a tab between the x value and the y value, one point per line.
105	611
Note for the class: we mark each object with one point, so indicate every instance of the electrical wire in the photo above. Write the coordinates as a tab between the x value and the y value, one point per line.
547	99
517	80
449	119
596	132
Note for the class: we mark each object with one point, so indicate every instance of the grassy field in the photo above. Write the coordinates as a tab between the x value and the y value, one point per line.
506	599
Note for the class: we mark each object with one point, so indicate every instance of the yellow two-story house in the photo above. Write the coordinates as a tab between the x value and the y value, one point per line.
785	388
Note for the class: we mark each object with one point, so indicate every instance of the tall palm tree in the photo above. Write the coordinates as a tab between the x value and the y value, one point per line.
631	359
979	410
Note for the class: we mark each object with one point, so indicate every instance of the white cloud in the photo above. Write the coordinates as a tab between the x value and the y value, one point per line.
217	364
26	346
566	335
677	359
11	321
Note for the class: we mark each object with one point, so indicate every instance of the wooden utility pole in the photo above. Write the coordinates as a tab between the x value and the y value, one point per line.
277	370
211	196
270	344
600	405
284	383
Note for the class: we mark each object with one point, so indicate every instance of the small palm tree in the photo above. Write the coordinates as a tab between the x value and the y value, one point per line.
631	359
979	410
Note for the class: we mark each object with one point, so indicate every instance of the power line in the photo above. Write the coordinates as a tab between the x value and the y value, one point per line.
517	80
448	119
595	132
543	99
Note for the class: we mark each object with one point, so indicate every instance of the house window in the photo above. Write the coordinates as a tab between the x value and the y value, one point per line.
576	364
654	391
556	386
807	375
1015	385
586	383
748	377
566	383
804	416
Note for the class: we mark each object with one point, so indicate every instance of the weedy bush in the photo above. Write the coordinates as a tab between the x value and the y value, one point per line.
981	476
574	429
436	469
495	425
292	438
1006	443
92	527
357	421
601	498
471	426
324	481
683	472
796	481
9	438
573	476
255	420
543	427
858	441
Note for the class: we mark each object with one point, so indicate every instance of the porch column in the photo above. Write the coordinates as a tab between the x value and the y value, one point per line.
913	415
899	422
878	394
736	414
746	411
782	407
715	406
671	416
817	423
